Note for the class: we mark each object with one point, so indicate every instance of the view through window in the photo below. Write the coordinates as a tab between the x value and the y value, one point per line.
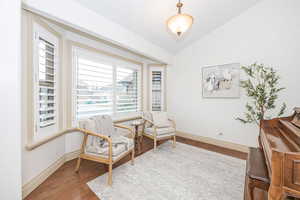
104	87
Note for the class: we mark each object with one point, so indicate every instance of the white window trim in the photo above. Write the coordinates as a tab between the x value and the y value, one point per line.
39	30
114	62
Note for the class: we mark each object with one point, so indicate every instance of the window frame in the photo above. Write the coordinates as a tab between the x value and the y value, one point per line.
40	29
115	62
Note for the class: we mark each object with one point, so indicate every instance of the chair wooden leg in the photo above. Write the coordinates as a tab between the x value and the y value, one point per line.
78	164
132	157
81	152
174	141
110	174
155	143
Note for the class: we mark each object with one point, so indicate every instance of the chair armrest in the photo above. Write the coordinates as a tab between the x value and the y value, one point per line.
87	132
132	133
173	123
149	121
152	123
155	126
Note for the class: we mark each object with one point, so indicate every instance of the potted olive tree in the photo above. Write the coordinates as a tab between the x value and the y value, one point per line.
262	88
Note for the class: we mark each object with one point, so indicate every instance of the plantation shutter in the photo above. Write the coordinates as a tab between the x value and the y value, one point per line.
156	91
127	90
46	83
94	88
104	85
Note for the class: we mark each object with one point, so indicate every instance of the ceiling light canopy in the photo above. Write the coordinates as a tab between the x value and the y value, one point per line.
180	23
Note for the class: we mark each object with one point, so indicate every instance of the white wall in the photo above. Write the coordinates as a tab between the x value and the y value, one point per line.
40	158
10	150
37	160
268	33
88	21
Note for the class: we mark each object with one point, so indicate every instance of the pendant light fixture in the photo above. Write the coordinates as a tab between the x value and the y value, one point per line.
179	23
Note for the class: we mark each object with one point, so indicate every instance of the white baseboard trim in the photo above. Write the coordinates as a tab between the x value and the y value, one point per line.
221	143
72	155
39	179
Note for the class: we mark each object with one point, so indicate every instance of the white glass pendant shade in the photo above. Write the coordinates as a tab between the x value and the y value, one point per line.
180	23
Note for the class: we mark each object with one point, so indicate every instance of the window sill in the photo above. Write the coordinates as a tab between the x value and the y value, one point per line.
45	140
127	117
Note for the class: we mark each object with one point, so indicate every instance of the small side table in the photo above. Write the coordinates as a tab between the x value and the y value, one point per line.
137	143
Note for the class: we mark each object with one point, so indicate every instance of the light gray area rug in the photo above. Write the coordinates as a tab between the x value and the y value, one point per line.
181	173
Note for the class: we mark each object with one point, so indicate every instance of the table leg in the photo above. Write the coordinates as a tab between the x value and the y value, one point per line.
137	143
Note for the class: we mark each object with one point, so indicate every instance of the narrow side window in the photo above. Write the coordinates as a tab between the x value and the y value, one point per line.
46	64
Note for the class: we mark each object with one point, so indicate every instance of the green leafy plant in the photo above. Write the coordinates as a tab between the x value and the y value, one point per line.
262	87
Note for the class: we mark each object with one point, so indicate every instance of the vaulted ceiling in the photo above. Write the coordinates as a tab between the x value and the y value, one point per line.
148	17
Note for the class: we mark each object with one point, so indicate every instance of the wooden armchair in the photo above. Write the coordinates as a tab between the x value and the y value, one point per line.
157	126
103	144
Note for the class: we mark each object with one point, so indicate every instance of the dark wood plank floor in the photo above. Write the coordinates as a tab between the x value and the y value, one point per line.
214	148
65	184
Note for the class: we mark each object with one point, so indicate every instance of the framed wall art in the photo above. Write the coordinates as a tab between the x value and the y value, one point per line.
221	81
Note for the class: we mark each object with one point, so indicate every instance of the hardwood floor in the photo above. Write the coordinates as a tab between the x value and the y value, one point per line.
65	184
214	148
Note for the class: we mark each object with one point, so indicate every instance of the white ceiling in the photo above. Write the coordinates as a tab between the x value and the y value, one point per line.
148	17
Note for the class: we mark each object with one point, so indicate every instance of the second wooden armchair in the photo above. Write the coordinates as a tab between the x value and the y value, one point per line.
157	126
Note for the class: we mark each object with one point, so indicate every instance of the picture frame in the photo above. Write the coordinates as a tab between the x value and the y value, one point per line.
221	81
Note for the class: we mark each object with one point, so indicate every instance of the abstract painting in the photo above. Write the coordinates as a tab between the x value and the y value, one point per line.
221	81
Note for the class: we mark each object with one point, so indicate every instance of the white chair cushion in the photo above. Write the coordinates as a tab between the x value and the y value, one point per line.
120	145
160	131
88	124
160	119
103	125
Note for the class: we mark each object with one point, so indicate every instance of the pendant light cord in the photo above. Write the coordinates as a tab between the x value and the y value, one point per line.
179	5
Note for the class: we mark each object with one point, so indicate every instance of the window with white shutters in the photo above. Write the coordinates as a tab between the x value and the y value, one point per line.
103	86
45	57
94	88
46	84
156	88
127	90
